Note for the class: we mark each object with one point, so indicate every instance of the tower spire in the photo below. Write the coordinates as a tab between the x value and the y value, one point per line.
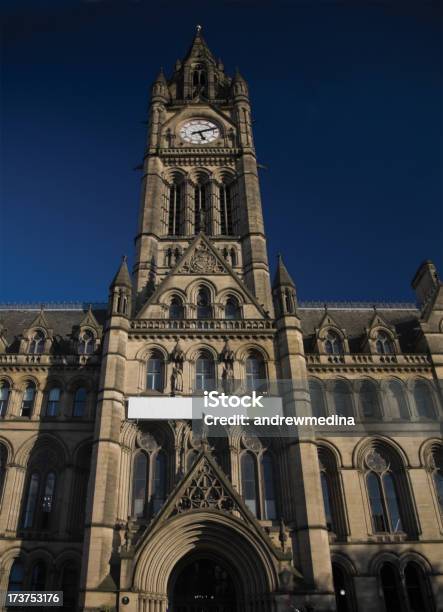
282	276
122	278
199	50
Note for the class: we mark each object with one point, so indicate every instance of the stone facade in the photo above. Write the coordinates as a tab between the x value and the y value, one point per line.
140	516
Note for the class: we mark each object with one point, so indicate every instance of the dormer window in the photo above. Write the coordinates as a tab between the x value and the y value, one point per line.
333	344
86	344
37	343
383	344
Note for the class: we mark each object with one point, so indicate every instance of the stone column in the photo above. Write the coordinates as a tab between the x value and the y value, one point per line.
14	491
304	510
66	499
101	508
189	207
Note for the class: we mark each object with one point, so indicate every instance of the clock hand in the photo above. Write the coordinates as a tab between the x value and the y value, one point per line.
200	131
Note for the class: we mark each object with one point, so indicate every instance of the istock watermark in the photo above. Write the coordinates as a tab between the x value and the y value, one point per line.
214	399
278	408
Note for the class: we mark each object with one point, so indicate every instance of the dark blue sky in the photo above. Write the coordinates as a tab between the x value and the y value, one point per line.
347	101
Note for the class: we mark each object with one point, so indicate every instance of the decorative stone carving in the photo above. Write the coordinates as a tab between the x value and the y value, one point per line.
376	462
196	440
178	355
147	441
228	379
227	355
205	491
251	442
203	261
176	380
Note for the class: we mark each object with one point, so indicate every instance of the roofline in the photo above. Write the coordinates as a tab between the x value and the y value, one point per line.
303	305
48	306
319	305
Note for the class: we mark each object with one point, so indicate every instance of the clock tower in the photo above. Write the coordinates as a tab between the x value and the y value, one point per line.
198	313
200	175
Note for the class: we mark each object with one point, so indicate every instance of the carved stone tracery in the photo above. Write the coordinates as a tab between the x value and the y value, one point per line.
203	261
205	491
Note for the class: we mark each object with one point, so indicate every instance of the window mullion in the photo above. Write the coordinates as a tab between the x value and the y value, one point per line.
384	502
260	487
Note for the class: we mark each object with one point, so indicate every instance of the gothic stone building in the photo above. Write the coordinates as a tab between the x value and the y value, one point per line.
149	516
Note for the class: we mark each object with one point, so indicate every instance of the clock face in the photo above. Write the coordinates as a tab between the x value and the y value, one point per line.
199	131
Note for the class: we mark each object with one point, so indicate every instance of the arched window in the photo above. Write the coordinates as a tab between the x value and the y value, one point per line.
38	577
342	588
4	397
226	219
3	463
341	399
176	310
249	481
37	344
199	79
255	372
31	500
415	587
232	309
48	499
53	405
369	403
28	400
175	209
270	509
437	474
325	488
391	588
139	485
331	493
204	372
159	482
423	400
333	344
317	399
384	344
69	583
397	400
16	576
204	310
383	494
200	209
154	368
79	408
86	344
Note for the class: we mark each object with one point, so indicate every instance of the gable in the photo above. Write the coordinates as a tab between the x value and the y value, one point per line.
205	488
200	260
378	321
329	321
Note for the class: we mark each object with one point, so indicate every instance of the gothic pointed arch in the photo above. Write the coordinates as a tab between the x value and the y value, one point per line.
333	492
205	513
390	504
330	337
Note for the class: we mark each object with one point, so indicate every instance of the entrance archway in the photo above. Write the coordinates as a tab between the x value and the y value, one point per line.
202	584
226	540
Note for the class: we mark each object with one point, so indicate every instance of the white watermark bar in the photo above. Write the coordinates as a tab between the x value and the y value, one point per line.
160	408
